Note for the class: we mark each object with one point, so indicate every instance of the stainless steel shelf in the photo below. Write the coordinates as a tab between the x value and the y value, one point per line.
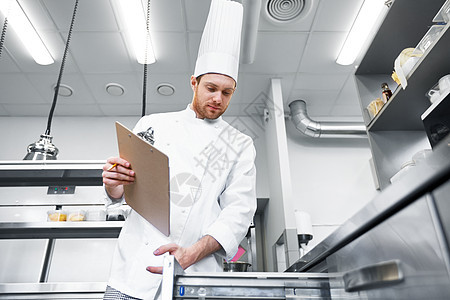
403	110
44	173
60	290
54	230
403	27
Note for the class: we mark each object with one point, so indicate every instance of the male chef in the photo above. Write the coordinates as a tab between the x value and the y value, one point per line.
212	173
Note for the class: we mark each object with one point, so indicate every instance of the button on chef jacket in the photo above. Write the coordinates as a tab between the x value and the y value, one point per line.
212	192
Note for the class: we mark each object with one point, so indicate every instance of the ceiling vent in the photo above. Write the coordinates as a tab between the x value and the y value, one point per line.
286	11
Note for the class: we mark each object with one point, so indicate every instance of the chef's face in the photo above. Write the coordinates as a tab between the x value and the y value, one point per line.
212	94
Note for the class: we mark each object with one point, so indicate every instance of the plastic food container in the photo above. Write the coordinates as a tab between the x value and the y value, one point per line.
96	215
403	170
429	38
444	13
76	216
374	107
115	214
56	216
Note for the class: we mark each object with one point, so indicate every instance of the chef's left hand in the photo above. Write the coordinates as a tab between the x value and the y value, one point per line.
180	253
186	257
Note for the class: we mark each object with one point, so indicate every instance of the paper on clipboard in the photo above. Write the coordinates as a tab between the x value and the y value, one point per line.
149	194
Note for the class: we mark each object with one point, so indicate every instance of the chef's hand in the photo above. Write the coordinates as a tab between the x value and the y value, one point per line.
179	252
186	257
117	172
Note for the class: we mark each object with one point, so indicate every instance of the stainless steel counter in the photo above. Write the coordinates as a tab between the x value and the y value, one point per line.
420	180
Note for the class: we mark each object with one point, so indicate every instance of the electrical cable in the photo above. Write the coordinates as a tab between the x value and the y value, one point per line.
2	37
144	85
55	96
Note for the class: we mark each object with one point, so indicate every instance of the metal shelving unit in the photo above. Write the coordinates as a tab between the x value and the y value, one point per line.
26	186
397	131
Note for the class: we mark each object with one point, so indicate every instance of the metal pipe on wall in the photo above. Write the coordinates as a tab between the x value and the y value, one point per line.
309	127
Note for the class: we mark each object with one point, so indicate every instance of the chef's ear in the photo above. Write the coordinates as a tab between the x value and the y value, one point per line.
193	82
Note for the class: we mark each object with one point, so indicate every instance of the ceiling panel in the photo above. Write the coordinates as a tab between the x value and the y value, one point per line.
335	15
38	15
196	14
25	62
277	53
167	16
7	64
171	53
194	43
320	81
301	53
92	15
97	84
21	110
100	52
45	83
321	53
181	83
19	89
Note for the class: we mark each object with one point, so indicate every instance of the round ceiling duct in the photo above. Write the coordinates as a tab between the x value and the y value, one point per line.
64	90
115	89
286	11
165	89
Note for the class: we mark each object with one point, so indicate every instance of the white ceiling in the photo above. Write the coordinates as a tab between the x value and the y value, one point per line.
302	53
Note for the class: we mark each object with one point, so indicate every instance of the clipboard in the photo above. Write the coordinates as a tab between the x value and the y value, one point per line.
149	194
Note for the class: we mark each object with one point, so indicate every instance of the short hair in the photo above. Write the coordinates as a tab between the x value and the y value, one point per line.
199	77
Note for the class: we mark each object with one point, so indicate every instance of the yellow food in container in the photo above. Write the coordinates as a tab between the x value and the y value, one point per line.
77	216
374	107
56	216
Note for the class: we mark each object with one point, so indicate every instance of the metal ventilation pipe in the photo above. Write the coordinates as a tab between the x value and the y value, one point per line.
303	123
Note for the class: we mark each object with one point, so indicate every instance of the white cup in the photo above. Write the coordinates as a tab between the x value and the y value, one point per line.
433	95
444	84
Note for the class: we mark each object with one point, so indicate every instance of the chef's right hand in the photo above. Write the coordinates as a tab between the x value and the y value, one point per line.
116	173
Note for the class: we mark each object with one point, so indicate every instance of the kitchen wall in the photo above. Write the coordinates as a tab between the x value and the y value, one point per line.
90	138
331	179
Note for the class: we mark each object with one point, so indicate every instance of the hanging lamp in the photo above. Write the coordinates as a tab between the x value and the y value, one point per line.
44	149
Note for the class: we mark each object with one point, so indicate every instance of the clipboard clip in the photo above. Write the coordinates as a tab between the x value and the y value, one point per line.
148	135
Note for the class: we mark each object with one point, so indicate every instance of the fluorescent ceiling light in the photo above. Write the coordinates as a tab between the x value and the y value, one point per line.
26	32
134	17
366	19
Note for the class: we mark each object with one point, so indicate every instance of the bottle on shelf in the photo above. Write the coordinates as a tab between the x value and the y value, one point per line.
386	91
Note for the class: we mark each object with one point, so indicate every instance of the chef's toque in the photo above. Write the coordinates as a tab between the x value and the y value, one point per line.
221	40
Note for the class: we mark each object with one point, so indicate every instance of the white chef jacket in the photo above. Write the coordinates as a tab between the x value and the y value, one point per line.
212	192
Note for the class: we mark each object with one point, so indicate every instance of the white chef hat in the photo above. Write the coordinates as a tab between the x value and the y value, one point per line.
221	40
